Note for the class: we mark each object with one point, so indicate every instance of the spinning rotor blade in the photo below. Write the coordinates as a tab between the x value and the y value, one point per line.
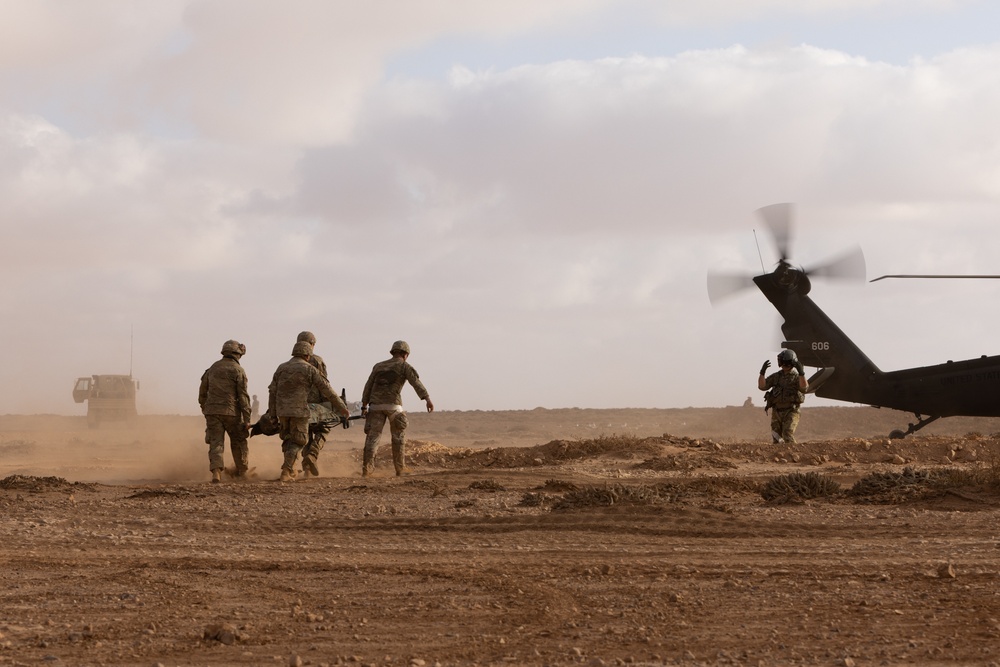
928	275
848	266
778	218
723	285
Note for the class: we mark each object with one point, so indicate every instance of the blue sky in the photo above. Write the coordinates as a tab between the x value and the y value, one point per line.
531	194
887	33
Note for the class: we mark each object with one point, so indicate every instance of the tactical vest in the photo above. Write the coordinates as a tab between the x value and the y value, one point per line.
785	393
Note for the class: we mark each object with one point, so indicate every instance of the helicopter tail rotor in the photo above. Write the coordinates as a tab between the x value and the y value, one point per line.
723	285
849	265
778	218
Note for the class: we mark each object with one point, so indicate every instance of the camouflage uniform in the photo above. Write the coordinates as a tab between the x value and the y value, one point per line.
316	440
382	396
288	400
224	402
784	398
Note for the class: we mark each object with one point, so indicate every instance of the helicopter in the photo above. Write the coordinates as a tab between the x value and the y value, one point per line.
967	388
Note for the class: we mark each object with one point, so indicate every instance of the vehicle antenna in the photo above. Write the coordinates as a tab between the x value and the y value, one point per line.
131	345
761	257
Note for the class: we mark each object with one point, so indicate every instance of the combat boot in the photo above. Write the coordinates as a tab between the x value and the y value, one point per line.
309	468
287	475
217	476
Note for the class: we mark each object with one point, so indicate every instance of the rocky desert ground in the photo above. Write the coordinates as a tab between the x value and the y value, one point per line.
541	537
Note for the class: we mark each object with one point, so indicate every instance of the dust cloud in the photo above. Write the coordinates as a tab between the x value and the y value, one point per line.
171	448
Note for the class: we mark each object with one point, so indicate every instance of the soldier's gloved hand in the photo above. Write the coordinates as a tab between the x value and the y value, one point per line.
345	422
767	364
798	367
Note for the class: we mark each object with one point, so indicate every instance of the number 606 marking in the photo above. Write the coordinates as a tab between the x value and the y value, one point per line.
820	345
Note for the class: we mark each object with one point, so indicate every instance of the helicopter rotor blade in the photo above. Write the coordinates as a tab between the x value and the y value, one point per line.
930	275
847	266
778	218
724	285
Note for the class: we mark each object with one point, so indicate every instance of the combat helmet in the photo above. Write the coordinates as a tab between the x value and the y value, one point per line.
233	347
302	349
307	336
787	357
400	346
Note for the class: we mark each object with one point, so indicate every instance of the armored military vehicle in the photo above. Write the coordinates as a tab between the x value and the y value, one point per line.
110	398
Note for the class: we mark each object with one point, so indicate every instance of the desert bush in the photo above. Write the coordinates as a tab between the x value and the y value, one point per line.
799	485
558	485
530	499
908	484
611	494
488	485
881	483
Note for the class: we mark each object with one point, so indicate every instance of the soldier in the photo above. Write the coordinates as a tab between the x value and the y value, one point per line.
254	410
381	400
316	439
288	401
785	393
226	406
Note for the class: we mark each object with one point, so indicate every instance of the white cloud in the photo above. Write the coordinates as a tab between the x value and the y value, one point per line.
243	170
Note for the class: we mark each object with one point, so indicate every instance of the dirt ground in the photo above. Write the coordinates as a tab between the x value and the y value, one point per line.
542	537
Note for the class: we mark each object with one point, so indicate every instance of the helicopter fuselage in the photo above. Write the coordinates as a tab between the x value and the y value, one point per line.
956	388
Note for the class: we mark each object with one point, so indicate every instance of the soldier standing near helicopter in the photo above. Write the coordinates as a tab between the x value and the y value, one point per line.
785	393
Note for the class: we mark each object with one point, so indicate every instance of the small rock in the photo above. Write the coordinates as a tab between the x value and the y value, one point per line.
294	660
847	662
227	633
946	571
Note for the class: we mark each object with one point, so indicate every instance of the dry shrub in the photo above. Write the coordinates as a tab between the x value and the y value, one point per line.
530	499
488	485
892	487
558	485
614	494
799	485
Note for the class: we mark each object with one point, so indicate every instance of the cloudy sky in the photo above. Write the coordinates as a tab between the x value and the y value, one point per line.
530	193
